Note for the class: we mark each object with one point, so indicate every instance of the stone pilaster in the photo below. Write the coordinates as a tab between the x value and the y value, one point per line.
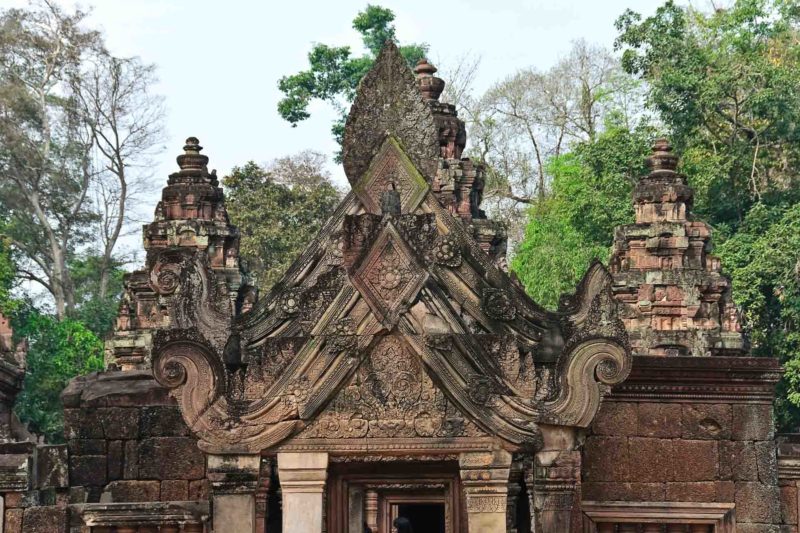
302	477
234	480
553	481
485	479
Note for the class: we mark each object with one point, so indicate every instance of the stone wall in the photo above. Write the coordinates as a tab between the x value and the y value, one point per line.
128	443
676	432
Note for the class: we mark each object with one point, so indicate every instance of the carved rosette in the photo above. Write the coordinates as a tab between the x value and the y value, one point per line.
497	304
447	251
289	302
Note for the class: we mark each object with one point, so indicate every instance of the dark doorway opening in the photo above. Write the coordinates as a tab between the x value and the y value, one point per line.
424	517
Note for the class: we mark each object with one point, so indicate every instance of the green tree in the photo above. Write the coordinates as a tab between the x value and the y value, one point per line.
590	195
76	127
762	258
279	209
97	299
727	86
58	350
334	71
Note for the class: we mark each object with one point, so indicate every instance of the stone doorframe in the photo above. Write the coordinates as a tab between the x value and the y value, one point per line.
361	488
478	483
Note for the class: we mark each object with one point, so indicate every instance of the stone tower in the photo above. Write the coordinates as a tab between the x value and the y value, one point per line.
674	298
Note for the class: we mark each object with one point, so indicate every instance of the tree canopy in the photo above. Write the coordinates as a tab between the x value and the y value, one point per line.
279	208
334	71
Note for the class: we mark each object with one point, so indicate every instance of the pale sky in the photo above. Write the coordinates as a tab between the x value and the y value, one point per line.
219	62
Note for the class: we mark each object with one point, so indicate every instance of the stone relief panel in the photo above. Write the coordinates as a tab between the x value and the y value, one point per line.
390	395
391	170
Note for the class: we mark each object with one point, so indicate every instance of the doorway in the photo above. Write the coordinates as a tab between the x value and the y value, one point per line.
424	517
369	496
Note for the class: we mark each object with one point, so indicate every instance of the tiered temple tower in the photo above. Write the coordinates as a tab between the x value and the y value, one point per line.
674	298
190	225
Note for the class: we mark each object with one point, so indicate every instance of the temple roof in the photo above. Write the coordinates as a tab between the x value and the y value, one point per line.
401	275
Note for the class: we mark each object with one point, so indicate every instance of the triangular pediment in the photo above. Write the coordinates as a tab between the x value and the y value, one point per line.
390	395
396	321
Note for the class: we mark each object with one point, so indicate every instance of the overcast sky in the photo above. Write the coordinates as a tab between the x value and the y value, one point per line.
219	62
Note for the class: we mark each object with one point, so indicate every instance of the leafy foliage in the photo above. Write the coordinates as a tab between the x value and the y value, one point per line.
58	350
727	85
279	209
590	195
762	258
334	72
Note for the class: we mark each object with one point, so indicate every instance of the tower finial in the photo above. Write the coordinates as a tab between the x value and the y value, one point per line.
662	159
430	86
191	160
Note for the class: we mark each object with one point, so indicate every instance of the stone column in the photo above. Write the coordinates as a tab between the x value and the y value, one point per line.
553	478
234	480
302	477
485	479
371	510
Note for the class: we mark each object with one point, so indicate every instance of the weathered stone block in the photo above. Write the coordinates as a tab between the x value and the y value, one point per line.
789	504
616	419
737	461
199	489
81	424
170	458
119	422
605	459
86	446
13	499
726	491
116	459
757	528
13	521
756	502
45	519
162	421
695	460
706	421
650	460
174	490
767	462
133	491
87	470
52	467
752	422
621	491
692	491
659	420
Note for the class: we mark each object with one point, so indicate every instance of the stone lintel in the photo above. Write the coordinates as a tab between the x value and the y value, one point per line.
700	379
140	514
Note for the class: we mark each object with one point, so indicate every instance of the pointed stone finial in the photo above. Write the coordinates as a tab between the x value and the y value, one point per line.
430	86
662	159
388	102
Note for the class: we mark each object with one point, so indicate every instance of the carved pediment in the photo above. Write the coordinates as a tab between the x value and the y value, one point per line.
390	395
389	277
395	322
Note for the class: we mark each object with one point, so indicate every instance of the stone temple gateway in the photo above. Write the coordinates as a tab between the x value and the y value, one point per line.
397	370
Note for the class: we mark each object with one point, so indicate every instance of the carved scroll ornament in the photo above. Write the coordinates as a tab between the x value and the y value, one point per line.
194	376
